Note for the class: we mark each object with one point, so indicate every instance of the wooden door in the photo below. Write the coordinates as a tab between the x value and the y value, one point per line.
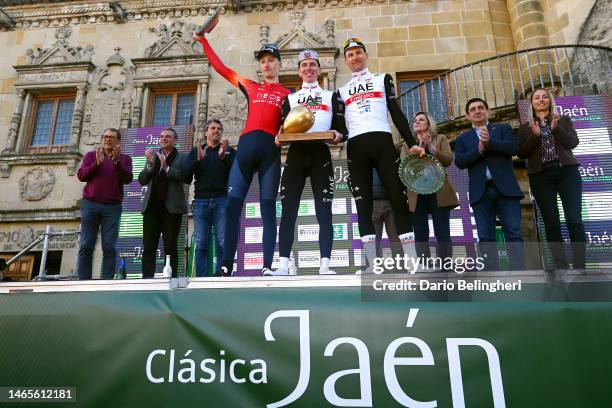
21	270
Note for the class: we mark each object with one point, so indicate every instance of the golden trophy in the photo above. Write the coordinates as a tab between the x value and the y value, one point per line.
296	126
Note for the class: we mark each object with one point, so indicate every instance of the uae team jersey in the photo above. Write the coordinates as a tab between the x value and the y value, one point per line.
367	98
326	107
264	100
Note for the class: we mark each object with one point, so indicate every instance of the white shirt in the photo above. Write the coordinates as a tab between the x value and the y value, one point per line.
318	101
365	102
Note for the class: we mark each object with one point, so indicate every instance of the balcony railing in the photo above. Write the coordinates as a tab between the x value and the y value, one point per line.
503	79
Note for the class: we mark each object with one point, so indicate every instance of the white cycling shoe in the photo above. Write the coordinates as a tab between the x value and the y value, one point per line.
278	272
326	271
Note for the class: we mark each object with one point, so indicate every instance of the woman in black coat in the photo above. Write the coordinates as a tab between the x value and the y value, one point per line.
547	142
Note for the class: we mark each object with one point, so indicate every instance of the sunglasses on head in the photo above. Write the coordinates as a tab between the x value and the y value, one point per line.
350	40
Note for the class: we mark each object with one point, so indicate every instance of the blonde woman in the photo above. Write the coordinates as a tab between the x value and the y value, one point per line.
547	142
438	204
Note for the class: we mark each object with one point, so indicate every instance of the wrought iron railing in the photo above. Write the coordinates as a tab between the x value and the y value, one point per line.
503	79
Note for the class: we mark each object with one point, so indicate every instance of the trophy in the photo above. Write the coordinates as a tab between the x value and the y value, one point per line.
423	175
210	23
297	123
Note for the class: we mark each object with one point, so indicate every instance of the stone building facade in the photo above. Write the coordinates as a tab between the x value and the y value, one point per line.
90	65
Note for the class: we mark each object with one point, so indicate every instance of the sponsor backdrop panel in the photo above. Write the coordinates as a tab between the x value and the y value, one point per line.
347	243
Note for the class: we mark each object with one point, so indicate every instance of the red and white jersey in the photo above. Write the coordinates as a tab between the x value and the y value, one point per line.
318	101
366	103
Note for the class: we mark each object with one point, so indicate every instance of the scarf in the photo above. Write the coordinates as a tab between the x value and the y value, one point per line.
160	180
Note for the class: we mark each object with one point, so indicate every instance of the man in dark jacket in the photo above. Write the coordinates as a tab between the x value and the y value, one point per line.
486	151
164	201
210	161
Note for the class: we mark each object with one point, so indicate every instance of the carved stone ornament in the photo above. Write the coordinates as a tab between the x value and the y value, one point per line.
89	137
5	170
36	184
173	40
264	34
232	112
299	38
60	51
26	236
116	73
42	14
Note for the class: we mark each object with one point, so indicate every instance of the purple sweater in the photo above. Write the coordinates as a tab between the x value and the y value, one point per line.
105	182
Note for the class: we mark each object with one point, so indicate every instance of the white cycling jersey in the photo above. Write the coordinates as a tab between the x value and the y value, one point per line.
318	101
366	103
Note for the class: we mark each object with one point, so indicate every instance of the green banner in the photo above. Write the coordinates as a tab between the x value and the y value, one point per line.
303	347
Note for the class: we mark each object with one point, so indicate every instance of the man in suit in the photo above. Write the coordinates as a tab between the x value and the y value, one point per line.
486	151
164	201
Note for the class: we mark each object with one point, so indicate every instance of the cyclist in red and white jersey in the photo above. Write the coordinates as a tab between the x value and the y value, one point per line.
257	150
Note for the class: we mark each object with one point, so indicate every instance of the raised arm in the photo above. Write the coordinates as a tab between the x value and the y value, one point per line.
226	72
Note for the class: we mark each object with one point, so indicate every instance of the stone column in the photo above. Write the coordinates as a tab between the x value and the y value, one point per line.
530	31
331	77
137	110
11	141
77	118
528	25
202	109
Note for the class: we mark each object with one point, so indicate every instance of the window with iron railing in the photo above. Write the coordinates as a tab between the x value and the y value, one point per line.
51	121
417	94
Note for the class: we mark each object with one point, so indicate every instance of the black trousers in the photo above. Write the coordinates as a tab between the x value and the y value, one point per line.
567	184
307	160
158	221
376	150
428	204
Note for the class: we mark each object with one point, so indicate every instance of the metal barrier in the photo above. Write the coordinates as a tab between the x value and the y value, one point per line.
503	79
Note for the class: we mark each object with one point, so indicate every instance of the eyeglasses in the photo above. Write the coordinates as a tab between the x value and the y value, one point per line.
350	40
113	137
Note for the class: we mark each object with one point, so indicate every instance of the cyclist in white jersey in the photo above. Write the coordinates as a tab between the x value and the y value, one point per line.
367	98
310	159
